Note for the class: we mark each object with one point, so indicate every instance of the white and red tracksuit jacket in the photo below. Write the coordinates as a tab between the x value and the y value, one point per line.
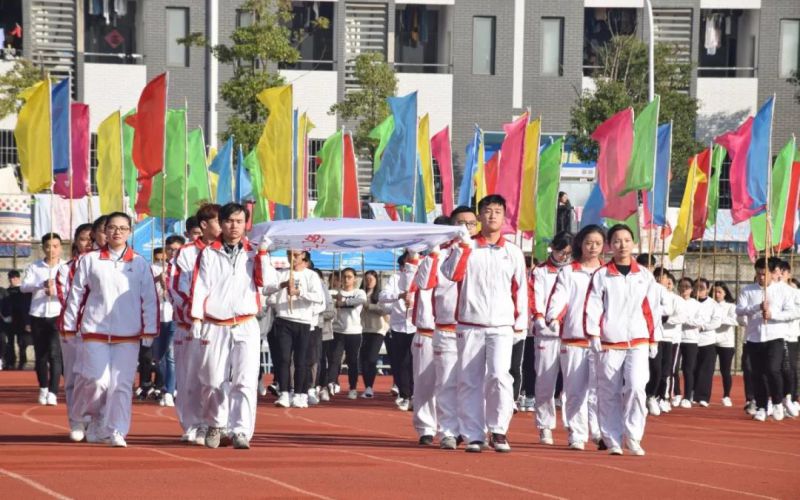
621	309
227	290
423	307
112	298
445	292
541	283
567	301
492	289
180	281
66	273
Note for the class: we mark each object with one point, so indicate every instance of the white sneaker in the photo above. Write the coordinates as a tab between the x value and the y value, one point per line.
577	445
352	394
546	436
760	415
336	388
686	403
615	450
769	408
52	400
118	441
161	402
368	393
750	408
791	409
777	412
664	406
284	400
395	391
43	396
704	404
262	389
726	401
676	401
168	400
527	404
324	395
200	436
77	432
797	406
404	404
300	401
634	447
189	436
312	397
652	407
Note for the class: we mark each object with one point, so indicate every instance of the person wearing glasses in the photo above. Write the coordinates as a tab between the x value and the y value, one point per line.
112	305
541	284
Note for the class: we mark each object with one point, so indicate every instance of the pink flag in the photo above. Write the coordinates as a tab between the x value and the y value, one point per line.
737	143
80	156
615	139
442	153
509	178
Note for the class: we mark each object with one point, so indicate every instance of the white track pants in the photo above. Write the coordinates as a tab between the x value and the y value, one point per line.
104	385
229	369
424	385
622	375
547	366
485	391
69	353
580	389
188	357
445	362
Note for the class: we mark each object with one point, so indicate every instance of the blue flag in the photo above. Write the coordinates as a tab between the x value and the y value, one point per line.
593	207
467	189
60	127
394	180
244	189
223	168
758	156
657	198
419	207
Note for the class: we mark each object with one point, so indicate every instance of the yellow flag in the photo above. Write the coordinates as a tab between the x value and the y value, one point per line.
33	137
480	172
109	163
274	148
685	227
426	162
304	125
530	169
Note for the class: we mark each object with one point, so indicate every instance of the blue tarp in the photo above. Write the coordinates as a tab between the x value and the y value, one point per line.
377	261
147	235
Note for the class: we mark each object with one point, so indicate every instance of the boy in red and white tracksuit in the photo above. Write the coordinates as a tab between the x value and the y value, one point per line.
492	305
228	280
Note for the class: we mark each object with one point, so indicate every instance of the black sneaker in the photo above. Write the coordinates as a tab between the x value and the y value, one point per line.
601	445
499	443
425	440
274	390
459	440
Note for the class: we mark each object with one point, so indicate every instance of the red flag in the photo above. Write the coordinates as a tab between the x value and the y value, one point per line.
148	140
615	140
391	211
80	155
793	204
442	152
737	144
491	169
143	196
700	204
510	164
351	202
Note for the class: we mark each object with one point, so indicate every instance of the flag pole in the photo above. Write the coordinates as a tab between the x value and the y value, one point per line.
164	175
205	158
768	229
69	154
233	170
185	162
703	227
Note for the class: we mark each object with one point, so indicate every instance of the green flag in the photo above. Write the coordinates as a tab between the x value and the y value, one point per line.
779	199
175	169
382	133
642	165
717	157
547	197
261	207
197	184
129	168
329	177
632	222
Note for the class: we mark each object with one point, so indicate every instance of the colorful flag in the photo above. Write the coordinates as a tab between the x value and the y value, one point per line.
381	133
738	143
782	201
426	164
655	200
509	178
758	156
592	208
261	212
197	185
394	181
615	139
81	187
467	188
351	201
330	177
171	185
717	157
275	145
418	210
32	135
787	235
700	204
547	196
129	173
491	169
150	123
442	152
684	230
530	166
641	167
244	188
481	188
60	109
109	163
223	167
305	125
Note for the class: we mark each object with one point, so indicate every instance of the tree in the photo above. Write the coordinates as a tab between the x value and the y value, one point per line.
368	105
255	54
622	82
21	76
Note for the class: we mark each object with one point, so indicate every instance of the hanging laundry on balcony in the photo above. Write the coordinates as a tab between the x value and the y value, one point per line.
713	39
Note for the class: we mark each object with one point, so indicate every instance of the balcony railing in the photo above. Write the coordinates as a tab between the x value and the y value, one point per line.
727	71
402	67
113	58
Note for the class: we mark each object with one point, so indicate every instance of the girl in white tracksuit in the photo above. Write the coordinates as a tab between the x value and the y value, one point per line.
687	350
700	322
541	283
710	319
112	305
672	329
347	330
620	310
565	314
662	363
725	341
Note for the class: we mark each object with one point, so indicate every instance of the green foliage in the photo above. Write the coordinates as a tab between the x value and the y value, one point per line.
622	82
368	105
21	76
255	52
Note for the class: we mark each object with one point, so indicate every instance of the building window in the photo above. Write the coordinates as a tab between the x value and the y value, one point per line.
553	46
421	43
11	23
483	44
244	18
177	28
728	43
600	25
790	47
110	32
314	43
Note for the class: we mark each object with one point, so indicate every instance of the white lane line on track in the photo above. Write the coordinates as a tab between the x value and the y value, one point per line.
699	441
33	484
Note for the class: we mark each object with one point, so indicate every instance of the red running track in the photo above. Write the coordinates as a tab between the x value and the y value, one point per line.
367	449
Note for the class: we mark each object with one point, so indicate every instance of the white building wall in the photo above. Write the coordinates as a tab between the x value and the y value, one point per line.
315	92
730	4
724	104
434	96
111	87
